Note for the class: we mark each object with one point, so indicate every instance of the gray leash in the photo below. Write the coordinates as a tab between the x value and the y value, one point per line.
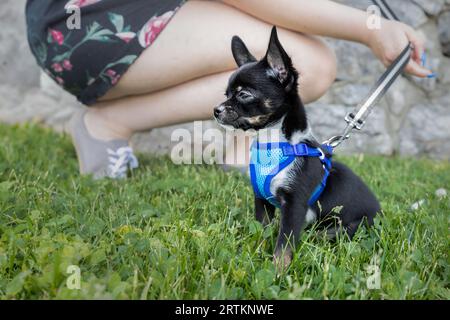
386	11
357	118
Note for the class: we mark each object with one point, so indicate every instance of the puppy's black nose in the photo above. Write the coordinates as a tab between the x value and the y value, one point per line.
218	110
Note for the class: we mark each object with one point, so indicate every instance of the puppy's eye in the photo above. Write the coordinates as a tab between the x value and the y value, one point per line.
245	96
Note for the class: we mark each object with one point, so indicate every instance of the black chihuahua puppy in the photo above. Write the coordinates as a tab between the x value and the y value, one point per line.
262	95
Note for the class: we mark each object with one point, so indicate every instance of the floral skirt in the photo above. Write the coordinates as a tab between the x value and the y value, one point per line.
87	45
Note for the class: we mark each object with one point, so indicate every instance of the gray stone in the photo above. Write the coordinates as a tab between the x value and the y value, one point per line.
397	100
443	74
408	12
358	4
431	7
444	32
17	65
427	131
356	61
349	93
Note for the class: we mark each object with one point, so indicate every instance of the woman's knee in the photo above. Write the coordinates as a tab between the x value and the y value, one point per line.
327	67
317	70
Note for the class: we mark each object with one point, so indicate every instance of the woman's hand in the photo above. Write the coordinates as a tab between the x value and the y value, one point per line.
389	41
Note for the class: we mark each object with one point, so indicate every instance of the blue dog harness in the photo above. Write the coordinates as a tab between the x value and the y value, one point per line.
269	159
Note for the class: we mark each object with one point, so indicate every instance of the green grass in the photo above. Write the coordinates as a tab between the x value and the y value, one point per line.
173	232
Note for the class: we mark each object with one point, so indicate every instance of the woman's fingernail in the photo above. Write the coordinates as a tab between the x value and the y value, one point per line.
424	58
431	75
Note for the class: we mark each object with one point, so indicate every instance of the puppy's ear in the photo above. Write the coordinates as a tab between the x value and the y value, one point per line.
277	59
240	52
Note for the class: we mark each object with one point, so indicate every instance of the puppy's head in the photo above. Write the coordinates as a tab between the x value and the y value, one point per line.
259	92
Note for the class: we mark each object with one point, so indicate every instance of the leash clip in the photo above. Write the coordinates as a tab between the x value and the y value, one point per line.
336	140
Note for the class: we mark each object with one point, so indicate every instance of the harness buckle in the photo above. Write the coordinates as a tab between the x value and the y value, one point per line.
295	150
301	149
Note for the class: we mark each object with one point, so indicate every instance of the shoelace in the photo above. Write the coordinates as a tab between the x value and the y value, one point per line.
119	162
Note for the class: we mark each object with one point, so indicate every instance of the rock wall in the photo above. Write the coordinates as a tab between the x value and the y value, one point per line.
412	119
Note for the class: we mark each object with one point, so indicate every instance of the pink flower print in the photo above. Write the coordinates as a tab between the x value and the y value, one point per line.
111	73
126	36
152	28
57	67
67	65
114	77
80	3
115	80
57	36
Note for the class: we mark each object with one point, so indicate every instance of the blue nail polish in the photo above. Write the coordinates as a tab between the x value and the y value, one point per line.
431	75
424	58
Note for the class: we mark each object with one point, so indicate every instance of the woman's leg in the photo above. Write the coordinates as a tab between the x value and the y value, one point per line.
194	49
193	100
197	42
